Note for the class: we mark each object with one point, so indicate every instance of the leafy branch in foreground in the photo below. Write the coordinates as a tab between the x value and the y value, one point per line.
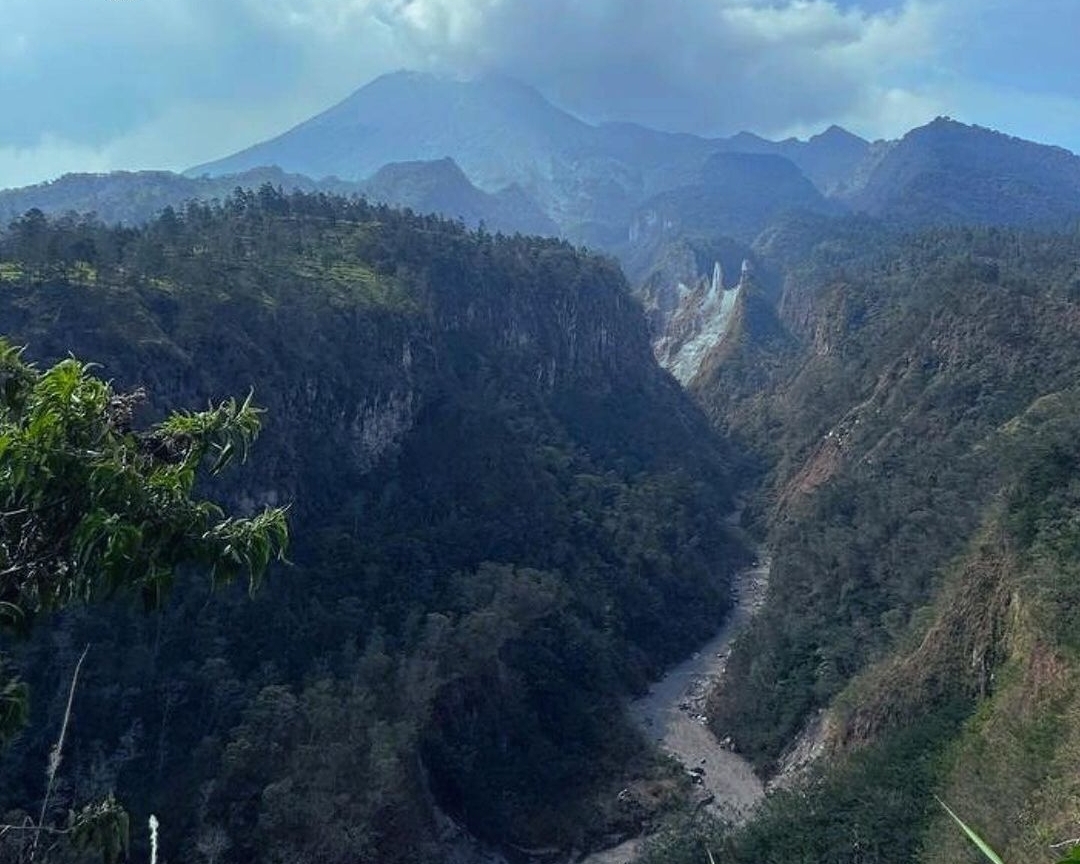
90	507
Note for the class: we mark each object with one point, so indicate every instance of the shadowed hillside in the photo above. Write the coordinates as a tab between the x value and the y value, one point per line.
505	518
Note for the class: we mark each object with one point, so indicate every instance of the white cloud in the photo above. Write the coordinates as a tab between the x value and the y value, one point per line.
715	65
174	140
49	158
99	84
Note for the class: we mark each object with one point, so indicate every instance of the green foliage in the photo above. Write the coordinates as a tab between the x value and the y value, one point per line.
1012	769
972	835
14	708
102	828
505	518
1072	856
92	507
688	838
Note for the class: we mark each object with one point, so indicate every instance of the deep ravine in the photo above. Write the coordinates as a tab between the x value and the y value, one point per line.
673	715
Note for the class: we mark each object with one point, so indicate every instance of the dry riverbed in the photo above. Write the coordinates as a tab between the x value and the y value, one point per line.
673	715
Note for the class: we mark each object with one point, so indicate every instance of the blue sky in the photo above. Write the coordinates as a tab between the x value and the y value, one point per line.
93	85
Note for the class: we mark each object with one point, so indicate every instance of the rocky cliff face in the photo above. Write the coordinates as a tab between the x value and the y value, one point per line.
505	515
914	415
698	323
696	314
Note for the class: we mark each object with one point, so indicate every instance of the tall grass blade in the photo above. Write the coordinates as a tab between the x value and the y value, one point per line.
55	755
975	838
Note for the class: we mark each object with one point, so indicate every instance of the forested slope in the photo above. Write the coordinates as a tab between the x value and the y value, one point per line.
504	516
917	425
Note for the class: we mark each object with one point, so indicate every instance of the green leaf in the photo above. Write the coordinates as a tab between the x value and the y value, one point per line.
102	827
975	838
1073	856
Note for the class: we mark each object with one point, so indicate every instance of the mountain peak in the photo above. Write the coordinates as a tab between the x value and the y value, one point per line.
440	186
490	126
838	134
946	126
946	130
443	171
410	83
951	172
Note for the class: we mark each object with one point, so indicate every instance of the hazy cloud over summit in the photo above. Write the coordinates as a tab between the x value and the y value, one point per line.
100	84
700	65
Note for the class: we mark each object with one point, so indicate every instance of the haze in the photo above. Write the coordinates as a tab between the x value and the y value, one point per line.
97	85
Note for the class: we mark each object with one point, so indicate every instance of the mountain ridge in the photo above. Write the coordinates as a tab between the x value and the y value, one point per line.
136	197
586	177
950	172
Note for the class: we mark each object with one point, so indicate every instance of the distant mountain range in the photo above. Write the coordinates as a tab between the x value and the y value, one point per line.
588	179
133	197
950	173
495	151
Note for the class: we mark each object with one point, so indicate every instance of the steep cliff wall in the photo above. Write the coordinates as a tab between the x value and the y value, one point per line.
505	518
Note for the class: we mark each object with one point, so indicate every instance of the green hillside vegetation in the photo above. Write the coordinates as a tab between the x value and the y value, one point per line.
919	424
504	518
975	702
90	508
912	361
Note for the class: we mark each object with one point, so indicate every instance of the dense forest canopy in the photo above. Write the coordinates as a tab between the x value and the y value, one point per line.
92	508
505	518
914	396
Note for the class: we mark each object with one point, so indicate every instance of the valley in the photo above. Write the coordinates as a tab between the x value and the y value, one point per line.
483	563
673	712
546	400
673	715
